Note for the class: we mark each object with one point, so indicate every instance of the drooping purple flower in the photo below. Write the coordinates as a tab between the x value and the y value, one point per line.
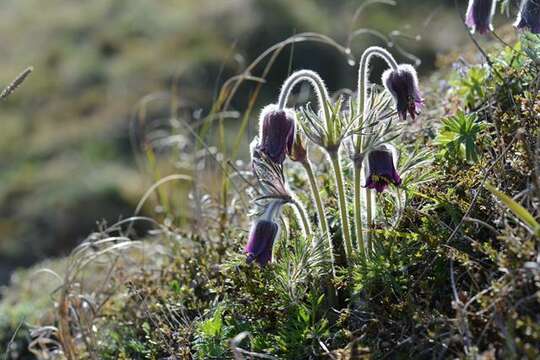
276	132
402	83
381	170
529	16
261	240
479	15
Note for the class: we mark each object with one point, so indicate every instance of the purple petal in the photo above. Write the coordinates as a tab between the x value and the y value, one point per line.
381	170
261	241
529	16
402	83
277	132
479	15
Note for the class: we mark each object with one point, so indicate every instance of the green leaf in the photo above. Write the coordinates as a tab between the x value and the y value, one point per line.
516	208
458	137
212	326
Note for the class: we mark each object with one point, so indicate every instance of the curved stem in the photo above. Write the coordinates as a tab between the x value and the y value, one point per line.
303	217
334	157
363	81
272	210
318	85
363	77
358	212
323	221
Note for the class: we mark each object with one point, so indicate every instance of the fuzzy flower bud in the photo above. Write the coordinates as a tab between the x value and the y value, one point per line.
402	83
276	132
529	16
298	151
479	15
381	170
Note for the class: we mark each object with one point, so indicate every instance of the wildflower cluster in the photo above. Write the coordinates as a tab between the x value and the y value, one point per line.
368	124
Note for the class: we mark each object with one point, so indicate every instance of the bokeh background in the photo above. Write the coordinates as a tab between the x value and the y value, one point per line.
66	162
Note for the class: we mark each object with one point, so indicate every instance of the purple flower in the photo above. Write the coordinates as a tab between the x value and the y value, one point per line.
402	83
381	169
529	16
479	15
276	132
261	241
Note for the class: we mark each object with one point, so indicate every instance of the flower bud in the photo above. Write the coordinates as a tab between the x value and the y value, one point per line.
402	83
381	170
298	150
276	132
479	15
529	16
261	241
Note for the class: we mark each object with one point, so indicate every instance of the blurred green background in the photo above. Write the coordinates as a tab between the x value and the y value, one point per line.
65	157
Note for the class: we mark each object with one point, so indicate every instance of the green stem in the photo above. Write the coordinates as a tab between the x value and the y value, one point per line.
334	157
303	217
316	82
369	221
363	82
363	79
323	222
358	211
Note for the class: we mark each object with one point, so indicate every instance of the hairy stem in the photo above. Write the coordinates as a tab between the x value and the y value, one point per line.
321	214
318	85
303	217
334	157
358	212
363	82
369	221
363	77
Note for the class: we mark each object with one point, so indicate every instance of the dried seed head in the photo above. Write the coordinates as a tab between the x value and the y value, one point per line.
402	83
479	15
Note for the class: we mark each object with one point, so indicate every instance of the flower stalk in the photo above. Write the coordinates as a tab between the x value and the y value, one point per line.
342	203
363	85
301	211
330	142
323	221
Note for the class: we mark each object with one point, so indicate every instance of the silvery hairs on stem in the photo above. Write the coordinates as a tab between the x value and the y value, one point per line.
327	127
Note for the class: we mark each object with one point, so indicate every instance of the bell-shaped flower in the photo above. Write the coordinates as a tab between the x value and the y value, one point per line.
261	242
529	16
402	83
276	132
262	235
381	169
479	15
